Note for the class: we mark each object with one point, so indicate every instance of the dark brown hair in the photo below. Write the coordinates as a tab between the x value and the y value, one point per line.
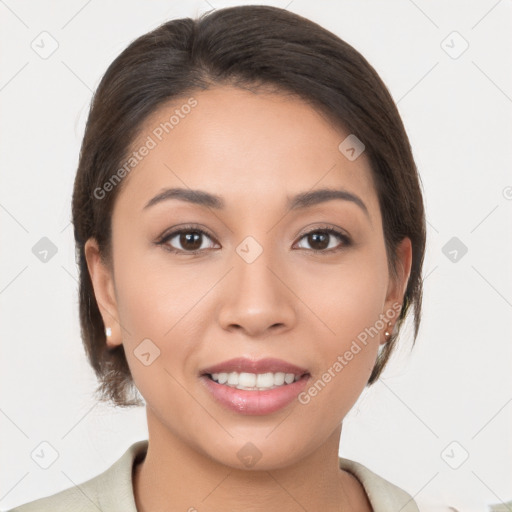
250	47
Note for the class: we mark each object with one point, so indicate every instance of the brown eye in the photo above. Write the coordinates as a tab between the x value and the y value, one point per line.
190	241
186	240
323	240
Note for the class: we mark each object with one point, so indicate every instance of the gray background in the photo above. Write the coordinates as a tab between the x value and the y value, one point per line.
438	423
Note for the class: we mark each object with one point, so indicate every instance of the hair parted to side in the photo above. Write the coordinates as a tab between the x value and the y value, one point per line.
250	47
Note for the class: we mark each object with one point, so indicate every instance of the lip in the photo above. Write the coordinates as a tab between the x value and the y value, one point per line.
243	364
254	402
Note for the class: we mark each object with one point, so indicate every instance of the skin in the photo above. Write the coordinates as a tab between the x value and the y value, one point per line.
253	149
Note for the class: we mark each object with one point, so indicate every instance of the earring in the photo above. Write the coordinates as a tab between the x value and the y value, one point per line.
387	332
108	331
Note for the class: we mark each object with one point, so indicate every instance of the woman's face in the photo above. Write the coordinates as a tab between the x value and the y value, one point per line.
255	288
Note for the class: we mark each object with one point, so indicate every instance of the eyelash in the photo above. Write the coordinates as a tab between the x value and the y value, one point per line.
346	241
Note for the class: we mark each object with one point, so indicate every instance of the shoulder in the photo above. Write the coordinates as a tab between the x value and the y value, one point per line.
382	494
108	491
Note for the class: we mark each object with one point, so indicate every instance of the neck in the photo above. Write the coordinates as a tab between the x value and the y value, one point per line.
175	477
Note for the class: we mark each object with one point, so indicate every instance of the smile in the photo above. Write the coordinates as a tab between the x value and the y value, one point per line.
254	381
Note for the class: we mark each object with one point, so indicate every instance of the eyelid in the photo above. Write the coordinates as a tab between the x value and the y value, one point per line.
322	227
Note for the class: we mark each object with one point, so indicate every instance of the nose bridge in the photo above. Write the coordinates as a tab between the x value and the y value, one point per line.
257	299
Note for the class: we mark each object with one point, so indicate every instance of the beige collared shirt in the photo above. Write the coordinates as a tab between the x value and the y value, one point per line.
112	490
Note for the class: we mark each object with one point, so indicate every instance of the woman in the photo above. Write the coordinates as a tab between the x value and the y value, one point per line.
250	233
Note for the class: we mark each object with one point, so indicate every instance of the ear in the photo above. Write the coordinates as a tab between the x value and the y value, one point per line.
103	283
398	283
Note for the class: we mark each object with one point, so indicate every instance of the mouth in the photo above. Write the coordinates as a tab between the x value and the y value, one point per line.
255	375
255	381
251	387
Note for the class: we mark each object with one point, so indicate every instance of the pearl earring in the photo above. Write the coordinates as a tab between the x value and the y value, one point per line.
108	331
387	333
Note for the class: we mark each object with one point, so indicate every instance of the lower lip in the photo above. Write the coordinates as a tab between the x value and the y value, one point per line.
255	402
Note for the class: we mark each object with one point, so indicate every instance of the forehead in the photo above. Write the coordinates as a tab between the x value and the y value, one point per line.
244	146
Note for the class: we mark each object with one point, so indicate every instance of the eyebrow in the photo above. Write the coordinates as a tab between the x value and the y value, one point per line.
299	201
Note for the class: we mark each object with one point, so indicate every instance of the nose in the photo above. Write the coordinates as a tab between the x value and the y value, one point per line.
257	299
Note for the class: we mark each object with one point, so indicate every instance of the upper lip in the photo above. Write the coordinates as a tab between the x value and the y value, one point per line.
243	364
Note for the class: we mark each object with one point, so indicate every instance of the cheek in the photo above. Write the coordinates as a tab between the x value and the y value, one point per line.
154	296
160	308
349	299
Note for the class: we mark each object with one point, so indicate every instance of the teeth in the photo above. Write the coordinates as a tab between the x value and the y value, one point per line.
254	381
